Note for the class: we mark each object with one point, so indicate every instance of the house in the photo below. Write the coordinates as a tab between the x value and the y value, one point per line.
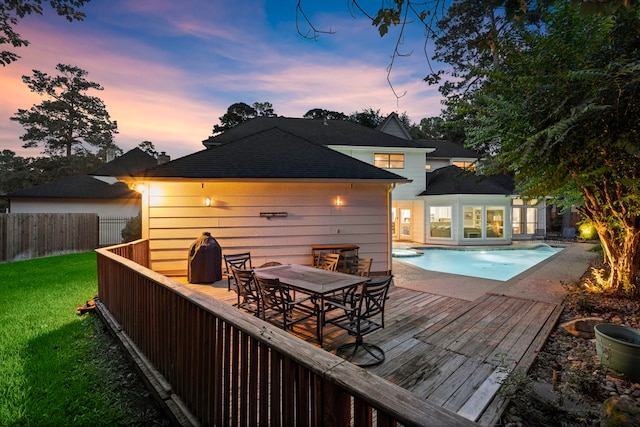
413	207
488	208
467	208
98	192
270	191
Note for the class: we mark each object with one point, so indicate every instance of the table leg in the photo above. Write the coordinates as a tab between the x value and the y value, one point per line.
320	321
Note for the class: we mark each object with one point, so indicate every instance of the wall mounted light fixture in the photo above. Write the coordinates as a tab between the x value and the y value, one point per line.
207	201
339	201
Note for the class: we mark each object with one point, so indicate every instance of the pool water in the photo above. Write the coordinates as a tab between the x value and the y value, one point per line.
495	263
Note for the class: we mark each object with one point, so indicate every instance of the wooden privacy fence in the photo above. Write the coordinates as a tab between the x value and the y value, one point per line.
34	235
230	368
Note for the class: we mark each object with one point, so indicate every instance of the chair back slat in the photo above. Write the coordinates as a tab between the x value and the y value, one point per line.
241	260
360	267
372	299
247	290
328	262
273	299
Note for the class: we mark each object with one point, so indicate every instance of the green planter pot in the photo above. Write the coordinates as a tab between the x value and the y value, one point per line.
618	348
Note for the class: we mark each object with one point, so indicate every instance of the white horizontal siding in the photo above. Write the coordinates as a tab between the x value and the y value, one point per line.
414	167
176	215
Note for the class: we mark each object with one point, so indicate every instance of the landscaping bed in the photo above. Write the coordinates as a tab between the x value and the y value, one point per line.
585	392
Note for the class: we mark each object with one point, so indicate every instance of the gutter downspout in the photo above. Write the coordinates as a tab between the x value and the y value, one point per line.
389	225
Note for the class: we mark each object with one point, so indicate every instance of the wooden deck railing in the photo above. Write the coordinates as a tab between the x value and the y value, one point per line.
230	368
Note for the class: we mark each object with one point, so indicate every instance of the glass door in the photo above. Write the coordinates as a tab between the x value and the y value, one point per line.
405	223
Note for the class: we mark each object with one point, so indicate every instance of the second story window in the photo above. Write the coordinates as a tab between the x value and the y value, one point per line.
468	166
388	160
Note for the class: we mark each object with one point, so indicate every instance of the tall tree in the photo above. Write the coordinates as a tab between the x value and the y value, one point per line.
367	117
264	109
69	118
11	11
149	148
428	128
319	113
240	112
562	114
470	37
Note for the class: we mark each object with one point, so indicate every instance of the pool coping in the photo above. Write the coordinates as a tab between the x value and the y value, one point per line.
542	282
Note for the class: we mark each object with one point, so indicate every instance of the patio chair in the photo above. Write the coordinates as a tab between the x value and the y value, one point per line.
539	234
569	234
357	267
239	260
363	314
247	290
278	305
328	262
360	266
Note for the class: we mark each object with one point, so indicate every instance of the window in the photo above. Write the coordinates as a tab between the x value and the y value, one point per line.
472	222
405	219
388	160
440	221
525	217
495	222
468	166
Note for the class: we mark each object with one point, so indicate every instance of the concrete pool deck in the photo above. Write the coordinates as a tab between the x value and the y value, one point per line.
542	282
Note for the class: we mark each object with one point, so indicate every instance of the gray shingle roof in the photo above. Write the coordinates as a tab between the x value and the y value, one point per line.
334	132
128	164
273	153
453	180
448	149
77	187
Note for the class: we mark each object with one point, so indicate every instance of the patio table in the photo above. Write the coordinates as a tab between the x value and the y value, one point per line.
312	281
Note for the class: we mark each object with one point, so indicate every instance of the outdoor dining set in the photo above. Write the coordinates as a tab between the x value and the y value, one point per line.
332	291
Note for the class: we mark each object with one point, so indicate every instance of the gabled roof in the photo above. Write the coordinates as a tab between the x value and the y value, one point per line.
454	180
128	164
273	153
323	132
448	150
77	187
393	125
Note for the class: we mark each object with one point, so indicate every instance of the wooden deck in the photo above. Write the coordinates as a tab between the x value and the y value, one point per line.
449	351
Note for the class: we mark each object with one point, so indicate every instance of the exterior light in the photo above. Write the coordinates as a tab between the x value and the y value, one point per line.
207	201
339	201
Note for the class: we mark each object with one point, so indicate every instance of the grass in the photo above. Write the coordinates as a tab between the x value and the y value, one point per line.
57	368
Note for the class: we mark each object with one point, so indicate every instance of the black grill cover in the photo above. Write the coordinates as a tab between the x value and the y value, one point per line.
205	260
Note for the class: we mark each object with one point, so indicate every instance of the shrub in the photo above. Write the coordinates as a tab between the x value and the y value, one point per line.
133	230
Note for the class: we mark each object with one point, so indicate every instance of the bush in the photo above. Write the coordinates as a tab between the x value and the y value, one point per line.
133	230
586	231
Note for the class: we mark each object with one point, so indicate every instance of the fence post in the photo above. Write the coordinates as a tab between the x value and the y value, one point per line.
3	237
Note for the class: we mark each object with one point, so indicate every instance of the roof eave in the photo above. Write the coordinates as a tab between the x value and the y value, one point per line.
322	180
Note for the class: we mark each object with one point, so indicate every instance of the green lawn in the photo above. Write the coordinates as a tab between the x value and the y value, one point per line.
58	368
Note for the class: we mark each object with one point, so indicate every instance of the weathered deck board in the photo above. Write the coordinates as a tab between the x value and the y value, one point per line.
449	351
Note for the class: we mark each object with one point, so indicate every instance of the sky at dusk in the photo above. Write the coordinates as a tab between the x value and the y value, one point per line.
170	69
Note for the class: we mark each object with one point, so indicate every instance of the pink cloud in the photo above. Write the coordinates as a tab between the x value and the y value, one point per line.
175	104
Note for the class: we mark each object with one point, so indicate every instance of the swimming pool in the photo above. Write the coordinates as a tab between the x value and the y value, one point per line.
494	263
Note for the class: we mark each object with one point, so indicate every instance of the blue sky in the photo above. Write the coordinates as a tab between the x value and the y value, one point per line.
170	68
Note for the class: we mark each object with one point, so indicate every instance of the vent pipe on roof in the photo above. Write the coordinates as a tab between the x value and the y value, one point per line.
111	155
163	158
